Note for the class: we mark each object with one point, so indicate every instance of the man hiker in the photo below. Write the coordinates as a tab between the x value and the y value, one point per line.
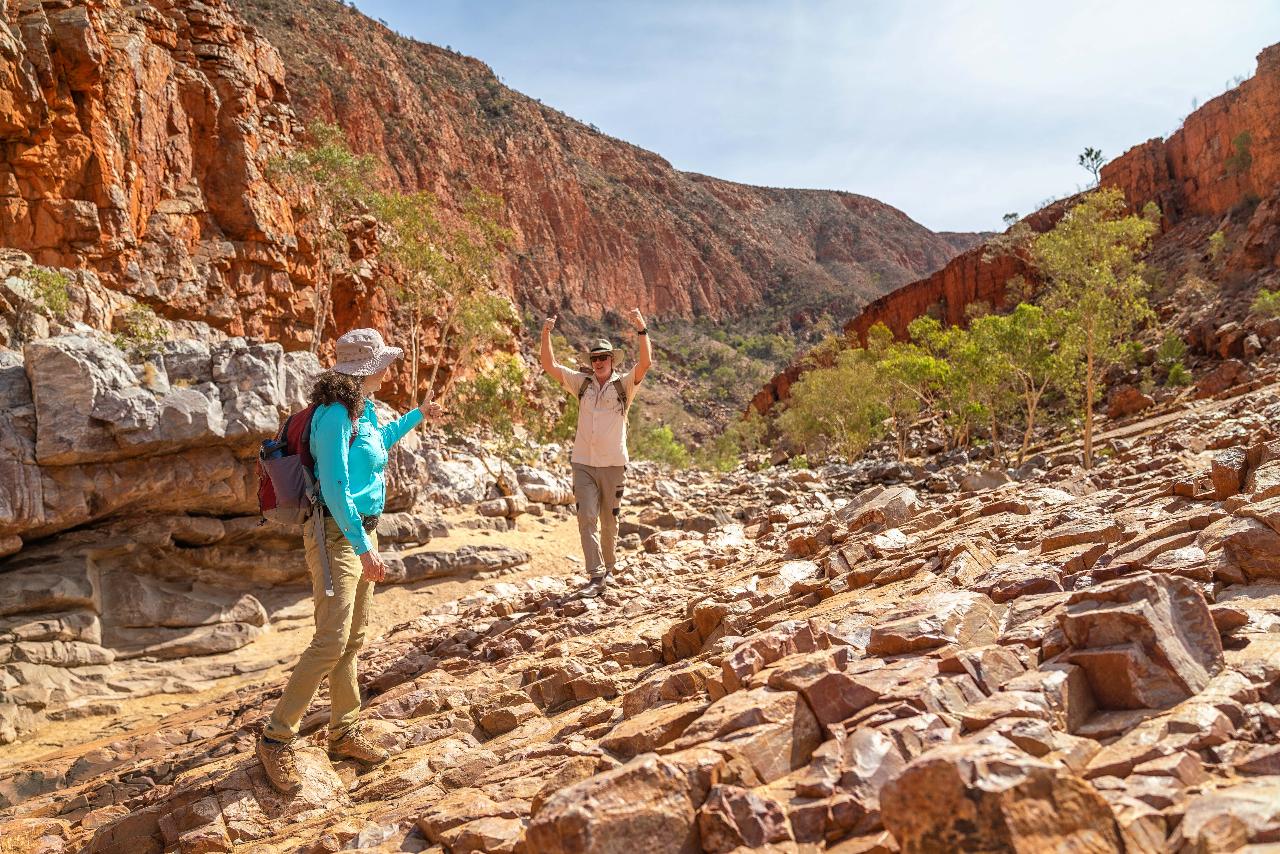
600	446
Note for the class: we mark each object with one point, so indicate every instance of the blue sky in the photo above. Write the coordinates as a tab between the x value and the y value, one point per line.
955	112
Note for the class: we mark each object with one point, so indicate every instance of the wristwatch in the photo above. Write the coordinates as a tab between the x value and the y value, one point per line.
644	331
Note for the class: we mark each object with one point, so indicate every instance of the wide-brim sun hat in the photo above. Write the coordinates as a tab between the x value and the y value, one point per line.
603	345
362	352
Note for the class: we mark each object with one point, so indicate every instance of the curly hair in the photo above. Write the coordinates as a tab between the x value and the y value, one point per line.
333	387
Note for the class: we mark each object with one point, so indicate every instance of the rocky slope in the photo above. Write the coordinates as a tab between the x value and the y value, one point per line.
1219	171
599	223
1069	660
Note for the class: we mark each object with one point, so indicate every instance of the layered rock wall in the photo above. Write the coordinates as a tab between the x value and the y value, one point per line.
600	224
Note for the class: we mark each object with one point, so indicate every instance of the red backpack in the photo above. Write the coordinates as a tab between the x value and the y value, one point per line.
287	489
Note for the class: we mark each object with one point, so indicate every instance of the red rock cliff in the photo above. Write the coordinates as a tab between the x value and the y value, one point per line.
599	223
135	139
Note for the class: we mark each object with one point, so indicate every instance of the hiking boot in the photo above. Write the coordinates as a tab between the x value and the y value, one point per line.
597	584
280	764
353	745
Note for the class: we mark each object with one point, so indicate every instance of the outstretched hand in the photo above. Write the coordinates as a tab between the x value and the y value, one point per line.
549	323
636	318
430	409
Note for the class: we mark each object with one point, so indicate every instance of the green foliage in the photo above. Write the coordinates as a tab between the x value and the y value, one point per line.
51	290
447	274
1091	260
332	185
837	411
493	402
1241	157
1217	245
1010	219
1172	349
47	293
139	332
655	442
911	379
1092	159
799	462
1266	303
741	437
1179	375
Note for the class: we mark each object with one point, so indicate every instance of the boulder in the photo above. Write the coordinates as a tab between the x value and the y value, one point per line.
1124	400
961	618
734	817
645	807
891	507
774	731
971	797
1145	641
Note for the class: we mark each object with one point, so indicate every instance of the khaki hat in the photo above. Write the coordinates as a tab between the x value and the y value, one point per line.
362	352
602	346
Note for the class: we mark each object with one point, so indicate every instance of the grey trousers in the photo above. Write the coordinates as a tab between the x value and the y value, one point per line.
598	491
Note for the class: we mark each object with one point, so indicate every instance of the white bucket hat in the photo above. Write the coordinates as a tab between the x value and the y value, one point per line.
362	352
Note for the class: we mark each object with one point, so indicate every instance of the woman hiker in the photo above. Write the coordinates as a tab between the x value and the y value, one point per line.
351	484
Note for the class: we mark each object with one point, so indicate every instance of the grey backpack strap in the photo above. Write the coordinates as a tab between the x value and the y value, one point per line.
620	388
582	390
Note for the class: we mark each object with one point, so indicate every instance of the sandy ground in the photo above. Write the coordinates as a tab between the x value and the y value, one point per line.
551	542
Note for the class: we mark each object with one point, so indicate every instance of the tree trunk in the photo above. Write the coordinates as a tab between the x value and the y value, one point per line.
996	456
414	334
1088	409
1033	401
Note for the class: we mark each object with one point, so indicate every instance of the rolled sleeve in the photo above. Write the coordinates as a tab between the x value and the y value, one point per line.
569	378
330	440
396	430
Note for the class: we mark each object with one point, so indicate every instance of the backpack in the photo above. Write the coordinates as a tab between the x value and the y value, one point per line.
287	488
618	387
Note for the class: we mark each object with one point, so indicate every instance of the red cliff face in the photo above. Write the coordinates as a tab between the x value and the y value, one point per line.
135	139
599	223
1226	154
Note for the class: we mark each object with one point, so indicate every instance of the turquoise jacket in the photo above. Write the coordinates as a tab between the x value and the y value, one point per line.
350	473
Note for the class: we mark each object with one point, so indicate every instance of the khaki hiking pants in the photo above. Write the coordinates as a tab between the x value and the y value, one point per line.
341	623
598	490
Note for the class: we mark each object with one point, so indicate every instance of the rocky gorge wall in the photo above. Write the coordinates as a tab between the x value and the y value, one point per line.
600	224
135	141
1224	161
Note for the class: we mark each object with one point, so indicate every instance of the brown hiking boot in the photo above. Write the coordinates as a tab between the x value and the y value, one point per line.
353	745
281	766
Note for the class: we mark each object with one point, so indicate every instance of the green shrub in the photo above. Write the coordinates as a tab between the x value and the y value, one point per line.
1179	375
1241	157
1267	303
658	444
51	289
799	461
1217	245
139	332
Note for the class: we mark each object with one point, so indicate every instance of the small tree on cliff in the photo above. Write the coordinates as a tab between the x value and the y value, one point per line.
1091	260
1092	160
333	185
448	274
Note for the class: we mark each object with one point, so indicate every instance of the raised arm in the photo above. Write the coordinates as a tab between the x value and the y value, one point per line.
547	356
645	360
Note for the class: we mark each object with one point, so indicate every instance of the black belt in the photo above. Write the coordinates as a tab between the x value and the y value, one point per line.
369	523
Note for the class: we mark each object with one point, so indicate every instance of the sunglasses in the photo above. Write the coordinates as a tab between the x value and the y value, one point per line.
601	357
